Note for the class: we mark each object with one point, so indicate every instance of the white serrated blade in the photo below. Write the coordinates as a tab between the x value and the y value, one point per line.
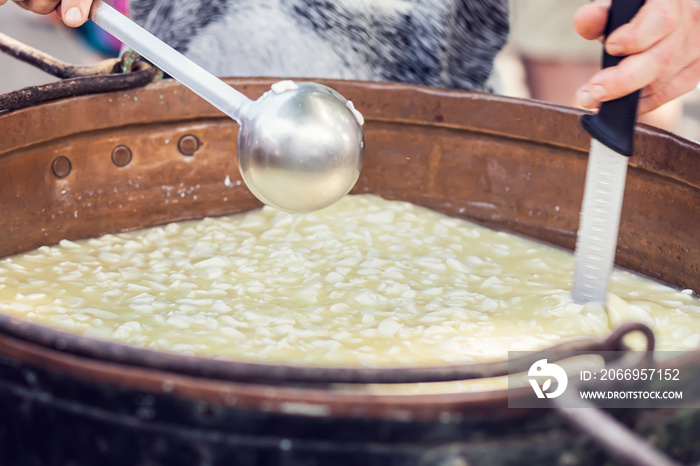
600	221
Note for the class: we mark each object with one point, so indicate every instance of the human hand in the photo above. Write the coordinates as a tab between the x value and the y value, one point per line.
663	44
73	12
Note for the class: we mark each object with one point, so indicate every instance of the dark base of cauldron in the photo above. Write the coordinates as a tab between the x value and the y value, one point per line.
51	419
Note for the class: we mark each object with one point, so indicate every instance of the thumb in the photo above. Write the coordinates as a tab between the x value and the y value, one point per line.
74	12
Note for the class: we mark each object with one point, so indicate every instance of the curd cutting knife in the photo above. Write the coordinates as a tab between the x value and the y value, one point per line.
612	129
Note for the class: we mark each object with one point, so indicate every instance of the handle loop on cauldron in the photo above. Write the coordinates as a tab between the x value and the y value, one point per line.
107	76
617	440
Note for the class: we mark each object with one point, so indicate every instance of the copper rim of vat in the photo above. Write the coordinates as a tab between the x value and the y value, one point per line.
84	166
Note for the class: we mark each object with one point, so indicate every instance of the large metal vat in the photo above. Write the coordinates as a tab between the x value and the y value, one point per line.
84	166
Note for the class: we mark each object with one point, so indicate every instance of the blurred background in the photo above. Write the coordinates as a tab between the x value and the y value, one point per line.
544	59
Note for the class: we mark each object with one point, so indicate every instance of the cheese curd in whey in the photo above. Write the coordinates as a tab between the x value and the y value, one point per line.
364	282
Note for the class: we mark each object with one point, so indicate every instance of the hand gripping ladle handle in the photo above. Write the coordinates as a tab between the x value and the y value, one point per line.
206	85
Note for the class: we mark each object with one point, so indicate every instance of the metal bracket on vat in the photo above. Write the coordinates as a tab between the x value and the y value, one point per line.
110	75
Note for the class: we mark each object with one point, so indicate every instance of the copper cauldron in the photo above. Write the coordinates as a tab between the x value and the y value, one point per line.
83	166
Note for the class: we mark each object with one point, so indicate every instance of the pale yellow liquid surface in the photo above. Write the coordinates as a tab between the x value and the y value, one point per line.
365	282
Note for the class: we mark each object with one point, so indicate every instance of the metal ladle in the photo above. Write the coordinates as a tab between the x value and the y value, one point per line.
300	145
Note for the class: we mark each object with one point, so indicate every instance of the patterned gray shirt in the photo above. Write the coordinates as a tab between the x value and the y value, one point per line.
442	43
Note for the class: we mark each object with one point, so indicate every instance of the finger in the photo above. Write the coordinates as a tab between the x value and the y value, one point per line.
656	94
585	100
659	64
654	21
2	2
74	12
590	20
685	81
43	7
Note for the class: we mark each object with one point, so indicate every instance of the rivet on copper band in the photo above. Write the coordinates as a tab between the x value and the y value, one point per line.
121	156
61	166
188	144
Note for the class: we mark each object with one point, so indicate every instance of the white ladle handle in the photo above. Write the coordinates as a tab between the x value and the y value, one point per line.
203	83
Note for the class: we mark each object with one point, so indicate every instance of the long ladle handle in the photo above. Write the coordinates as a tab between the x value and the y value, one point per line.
200	81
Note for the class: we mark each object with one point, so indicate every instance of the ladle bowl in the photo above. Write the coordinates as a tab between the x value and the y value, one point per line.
300	147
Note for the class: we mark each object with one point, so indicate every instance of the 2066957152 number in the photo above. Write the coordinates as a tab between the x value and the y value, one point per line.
640	374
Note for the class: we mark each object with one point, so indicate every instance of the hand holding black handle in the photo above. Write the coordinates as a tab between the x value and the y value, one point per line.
613	125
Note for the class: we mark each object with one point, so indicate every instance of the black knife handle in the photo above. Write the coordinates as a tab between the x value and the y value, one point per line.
613	125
